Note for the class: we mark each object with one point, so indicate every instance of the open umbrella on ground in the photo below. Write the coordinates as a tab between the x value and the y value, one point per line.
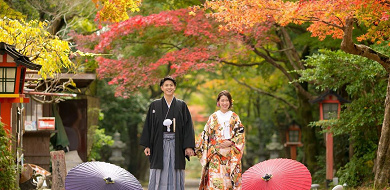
100	176
277	174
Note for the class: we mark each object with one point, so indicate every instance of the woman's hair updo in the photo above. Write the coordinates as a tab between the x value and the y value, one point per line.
228	95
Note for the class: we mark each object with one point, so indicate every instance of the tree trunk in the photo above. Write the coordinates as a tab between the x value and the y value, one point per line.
56	26
305	111
382	171
382	167
310	142
137	161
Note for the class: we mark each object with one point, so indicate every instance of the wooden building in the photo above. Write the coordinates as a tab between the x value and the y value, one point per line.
77	114
20	110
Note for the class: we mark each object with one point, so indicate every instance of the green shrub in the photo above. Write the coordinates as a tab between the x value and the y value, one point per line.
357	171
7	162
100	139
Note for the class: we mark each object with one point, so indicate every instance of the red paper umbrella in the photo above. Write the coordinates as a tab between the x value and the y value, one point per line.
277	174
100	176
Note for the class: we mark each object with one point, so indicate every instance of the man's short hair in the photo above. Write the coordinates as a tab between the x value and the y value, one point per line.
167	78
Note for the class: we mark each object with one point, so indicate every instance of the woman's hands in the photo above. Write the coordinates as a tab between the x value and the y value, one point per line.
226	144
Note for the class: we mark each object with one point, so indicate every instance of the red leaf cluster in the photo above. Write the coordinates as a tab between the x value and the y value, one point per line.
189	42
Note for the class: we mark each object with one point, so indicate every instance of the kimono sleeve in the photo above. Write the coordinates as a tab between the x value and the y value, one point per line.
146	132
202	143
189	134
238	138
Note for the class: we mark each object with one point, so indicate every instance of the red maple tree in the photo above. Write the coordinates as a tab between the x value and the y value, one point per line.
138	52
177	43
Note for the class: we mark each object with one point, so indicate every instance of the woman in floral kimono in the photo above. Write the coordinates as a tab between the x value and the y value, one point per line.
220	147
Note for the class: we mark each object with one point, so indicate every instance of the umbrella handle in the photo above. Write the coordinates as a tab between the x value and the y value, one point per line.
267	177
108	180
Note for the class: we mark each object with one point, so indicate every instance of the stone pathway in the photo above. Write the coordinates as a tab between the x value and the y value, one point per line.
191	184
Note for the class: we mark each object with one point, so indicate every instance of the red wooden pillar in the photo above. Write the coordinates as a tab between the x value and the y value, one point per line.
6	101
6	116
293	152
330	99
329	156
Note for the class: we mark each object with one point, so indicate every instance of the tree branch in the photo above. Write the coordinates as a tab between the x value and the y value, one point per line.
315	19
162	43
268	94
292	54
349	46
236	64
285	72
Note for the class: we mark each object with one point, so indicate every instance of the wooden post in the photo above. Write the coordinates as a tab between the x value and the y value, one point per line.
293	152
58	169
329	157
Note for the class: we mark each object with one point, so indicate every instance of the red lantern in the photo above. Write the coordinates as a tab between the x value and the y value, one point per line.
330	107
13	67
293	139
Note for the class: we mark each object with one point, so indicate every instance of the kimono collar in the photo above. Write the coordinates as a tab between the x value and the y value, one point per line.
169	104
172	102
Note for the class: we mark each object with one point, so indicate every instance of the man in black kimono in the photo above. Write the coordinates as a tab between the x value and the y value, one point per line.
168	137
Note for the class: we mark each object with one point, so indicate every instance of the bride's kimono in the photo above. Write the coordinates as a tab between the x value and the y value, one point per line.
221	167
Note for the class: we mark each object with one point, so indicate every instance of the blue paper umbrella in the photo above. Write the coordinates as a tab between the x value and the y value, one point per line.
100	176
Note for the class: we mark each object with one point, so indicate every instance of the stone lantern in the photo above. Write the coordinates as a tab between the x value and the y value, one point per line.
274	147
116	156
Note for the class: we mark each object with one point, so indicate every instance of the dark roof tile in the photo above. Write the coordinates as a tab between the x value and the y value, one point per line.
18	57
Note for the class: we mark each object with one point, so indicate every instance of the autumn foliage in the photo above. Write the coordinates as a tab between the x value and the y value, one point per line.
335	18
177	43
326	17
33	40
115	10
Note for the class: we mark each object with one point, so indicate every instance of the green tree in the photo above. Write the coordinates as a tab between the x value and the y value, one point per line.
100	139
364	81
7	162
125	115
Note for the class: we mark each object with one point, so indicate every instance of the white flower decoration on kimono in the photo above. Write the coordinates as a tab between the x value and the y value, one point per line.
168	123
